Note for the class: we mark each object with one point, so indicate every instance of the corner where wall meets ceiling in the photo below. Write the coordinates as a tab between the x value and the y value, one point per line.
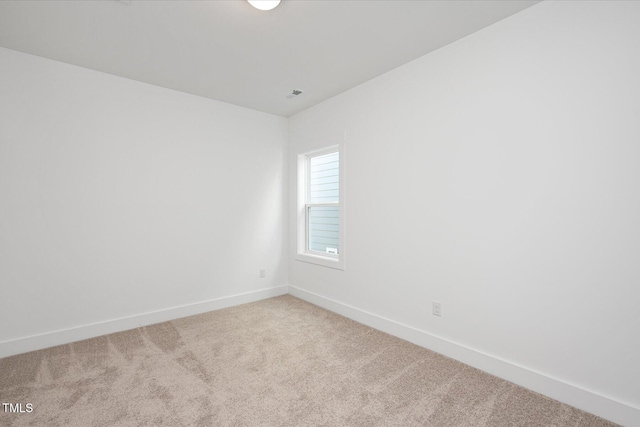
231	52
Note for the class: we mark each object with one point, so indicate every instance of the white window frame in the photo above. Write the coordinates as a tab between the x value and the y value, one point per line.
304	254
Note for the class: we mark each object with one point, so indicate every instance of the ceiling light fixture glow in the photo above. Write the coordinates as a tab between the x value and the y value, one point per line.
264	4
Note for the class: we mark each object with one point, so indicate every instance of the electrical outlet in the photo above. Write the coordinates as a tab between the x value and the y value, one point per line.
263	273
437	308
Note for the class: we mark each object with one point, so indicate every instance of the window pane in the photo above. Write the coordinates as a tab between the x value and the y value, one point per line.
323	229
323	178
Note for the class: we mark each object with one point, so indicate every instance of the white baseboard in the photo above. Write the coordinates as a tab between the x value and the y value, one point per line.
619	412
50	339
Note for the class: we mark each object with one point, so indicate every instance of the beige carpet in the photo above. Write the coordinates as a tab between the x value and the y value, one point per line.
277	362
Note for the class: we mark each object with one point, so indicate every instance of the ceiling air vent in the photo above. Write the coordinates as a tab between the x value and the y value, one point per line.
294	93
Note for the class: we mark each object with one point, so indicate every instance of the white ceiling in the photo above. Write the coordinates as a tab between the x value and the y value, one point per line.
231	52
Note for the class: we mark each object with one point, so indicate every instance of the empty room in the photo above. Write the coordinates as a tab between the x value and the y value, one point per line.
320	213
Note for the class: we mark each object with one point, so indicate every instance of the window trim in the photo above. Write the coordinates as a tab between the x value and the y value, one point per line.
302	253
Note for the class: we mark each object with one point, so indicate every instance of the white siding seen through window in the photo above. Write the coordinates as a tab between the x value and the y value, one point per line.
322	204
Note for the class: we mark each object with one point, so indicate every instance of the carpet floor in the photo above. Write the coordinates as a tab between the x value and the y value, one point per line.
276	362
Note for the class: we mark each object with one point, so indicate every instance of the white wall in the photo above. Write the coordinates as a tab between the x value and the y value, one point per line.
499	175
119	198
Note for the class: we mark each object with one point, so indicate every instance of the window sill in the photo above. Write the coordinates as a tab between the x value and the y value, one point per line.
337	263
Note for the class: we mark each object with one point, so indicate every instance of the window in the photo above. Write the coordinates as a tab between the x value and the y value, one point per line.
323	202
320	219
